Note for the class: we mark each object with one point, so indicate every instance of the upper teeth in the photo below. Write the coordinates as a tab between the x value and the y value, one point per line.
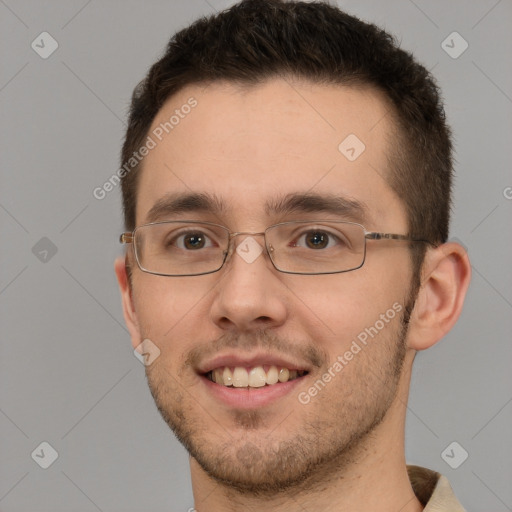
256	377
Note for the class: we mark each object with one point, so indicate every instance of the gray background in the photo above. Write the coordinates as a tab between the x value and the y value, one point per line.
68	375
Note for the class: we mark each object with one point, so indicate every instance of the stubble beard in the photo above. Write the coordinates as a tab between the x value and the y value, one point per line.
325	444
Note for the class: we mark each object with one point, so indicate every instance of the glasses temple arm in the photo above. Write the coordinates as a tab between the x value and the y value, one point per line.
372	235
126	238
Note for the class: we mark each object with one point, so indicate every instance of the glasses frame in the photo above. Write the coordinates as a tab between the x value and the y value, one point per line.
129	238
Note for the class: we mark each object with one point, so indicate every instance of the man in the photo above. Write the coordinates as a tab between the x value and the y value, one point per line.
286	189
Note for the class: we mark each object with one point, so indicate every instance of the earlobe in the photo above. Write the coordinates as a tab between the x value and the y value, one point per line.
130	315
446	274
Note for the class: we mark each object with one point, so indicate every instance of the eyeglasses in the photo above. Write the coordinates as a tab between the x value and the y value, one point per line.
192	248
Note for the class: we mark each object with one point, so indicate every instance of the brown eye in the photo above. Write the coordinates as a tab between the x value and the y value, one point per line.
193	241
317	240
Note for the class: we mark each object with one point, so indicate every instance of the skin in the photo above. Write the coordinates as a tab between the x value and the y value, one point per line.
345	449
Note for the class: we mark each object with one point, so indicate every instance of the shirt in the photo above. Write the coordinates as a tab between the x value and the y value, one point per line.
433	490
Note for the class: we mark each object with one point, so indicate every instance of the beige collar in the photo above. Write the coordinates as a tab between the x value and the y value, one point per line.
433	490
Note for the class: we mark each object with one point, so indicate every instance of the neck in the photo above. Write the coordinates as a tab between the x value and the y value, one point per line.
373	476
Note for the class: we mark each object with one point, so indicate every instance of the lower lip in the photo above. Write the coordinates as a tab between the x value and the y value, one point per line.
251	398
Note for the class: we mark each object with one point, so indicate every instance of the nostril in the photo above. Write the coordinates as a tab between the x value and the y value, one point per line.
264	319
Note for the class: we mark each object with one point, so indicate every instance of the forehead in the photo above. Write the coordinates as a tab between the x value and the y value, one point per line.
254	146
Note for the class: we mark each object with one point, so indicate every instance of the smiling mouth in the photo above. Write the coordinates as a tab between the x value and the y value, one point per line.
255	377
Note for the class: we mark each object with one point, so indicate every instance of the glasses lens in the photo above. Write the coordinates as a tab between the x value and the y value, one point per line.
316	248
181	248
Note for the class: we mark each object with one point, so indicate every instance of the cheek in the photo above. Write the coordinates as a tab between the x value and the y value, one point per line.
339	307
166	307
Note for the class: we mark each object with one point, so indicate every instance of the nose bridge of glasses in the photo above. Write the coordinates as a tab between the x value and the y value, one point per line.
251	233
231	246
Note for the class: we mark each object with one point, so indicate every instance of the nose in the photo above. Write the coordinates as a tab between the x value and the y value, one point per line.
250	294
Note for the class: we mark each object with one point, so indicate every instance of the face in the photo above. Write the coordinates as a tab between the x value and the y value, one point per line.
342	335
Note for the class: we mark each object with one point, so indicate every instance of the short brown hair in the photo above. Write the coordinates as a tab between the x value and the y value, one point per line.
260	39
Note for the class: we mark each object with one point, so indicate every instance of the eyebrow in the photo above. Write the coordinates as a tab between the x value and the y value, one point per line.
322	203
178	203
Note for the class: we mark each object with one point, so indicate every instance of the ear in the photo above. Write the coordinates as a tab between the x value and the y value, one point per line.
446	273
130	315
